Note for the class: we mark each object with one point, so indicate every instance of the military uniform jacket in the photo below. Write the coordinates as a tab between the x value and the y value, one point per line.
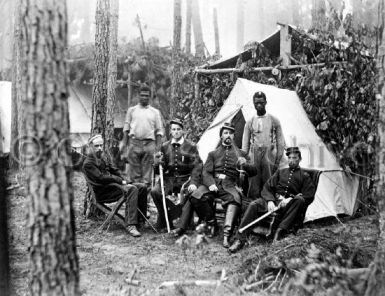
182	161
100	173
223	161
288	183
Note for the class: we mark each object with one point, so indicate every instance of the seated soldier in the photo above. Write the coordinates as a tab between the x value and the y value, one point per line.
180	161
220	178
291	189
100	174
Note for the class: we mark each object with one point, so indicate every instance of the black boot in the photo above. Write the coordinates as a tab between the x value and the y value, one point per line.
279	234
212	228
230	218
236	246
177	232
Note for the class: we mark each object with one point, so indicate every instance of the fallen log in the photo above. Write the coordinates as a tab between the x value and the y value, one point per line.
200	283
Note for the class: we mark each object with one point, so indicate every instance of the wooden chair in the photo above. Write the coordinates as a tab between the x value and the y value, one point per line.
105	207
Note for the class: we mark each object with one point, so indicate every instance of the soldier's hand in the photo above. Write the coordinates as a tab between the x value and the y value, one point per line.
158	158
191	188
121	146
285	201
270	206
241	160
213	188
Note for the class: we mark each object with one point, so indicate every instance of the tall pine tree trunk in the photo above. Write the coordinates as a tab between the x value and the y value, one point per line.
376	279
4	254
176	79
100	87
240	25
318	15
54	266
102	51
197	25
14	155
216	32
261	20
188	26
296	19
112	73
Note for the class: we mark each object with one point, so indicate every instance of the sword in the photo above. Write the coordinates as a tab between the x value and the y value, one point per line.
164	197
257	220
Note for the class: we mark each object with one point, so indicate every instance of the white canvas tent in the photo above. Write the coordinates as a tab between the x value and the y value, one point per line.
336	192
80	117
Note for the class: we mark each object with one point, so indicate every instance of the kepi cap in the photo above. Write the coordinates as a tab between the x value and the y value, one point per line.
290	150
228	126
95	137
176	121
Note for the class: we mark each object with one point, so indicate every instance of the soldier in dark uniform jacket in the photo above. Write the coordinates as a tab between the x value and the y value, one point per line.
101	174
220	178
292	189
180	160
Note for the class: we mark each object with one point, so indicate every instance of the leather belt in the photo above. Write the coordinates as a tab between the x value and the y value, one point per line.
223	176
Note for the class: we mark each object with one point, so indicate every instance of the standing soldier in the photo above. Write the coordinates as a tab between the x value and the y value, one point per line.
264	142
142	133
220	177
181	162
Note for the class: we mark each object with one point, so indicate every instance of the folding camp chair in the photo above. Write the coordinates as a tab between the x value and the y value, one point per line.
110	211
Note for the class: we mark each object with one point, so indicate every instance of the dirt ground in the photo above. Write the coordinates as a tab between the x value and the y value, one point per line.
109	257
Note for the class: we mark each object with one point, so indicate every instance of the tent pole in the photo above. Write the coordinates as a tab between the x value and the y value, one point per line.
290	67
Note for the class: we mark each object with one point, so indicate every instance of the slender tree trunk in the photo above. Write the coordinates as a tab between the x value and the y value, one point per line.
14	151
216	32
376	279
100	87
52	247
240	25
85	31
112	72
296	13
261	20
139	24
102	51
197	26
4	247
176	65
319	15
188	26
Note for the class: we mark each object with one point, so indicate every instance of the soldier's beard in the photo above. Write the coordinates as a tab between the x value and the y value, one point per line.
227	141
293	165
98	154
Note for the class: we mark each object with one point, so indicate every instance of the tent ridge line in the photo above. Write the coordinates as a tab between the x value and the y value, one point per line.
256	69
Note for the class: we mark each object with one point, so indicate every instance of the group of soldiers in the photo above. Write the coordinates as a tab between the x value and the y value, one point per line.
287	191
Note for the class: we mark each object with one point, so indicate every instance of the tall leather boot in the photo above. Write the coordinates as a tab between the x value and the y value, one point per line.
230	218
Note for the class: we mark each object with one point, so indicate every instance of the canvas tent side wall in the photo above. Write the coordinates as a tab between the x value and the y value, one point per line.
336	192
5	114
80	119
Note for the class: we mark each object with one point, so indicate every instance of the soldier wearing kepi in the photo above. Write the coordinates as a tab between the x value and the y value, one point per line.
220	177
180	160
101	174
264	142
291	189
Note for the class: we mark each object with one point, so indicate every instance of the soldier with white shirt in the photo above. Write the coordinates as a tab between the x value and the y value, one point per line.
264	142
142	134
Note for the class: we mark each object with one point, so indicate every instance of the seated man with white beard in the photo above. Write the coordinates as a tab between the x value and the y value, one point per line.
100	174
